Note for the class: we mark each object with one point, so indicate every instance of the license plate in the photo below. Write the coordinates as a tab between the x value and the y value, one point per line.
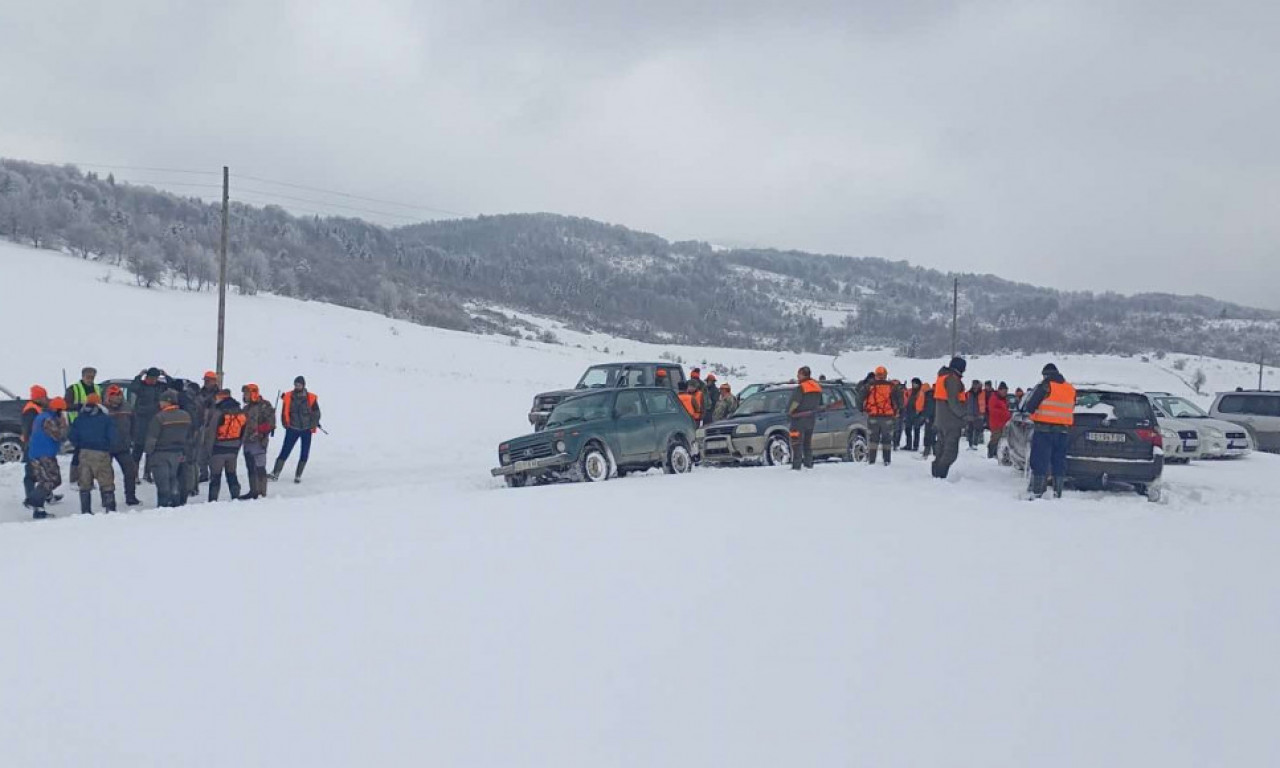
1237	446
719	442
1105	437
525	466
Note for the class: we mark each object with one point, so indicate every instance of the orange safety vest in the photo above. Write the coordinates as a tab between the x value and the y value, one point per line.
924	390
1058	407
231	427
880	399
690	405
940	390
809	386
288	400
982	403
32	405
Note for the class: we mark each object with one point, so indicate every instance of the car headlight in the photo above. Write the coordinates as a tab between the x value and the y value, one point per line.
745	429
1170	437
1211	432
504	458
560	446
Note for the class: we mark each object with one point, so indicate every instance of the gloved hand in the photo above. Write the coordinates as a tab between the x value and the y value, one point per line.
264	429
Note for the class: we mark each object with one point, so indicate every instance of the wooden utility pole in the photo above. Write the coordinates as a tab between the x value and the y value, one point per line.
222	268
955	313
1262	356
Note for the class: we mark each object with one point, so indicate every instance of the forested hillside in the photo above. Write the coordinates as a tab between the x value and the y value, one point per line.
599	276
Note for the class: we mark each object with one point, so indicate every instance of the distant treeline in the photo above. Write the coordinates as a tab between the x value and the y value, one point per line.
597	276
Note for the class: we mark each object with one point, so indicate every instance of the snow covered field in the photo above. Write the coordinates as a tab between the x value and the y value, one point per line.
400	608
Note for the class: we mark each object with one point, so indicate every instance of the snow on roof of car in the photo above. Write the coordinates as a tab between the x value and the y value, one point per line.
1109	387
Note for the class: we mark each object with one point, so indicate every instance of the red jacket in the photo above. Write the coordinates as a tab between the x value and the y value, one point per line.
998	411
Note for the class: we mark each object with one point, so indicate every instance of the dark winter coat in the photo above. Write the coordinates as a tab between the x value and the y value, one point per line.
951	414
93	430
123	418
169	431
806	401
144	398
300	410
1037	396
260	422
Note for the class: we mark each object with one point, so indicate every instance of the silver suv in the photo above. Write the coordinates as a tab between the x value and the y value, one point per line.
1258	412
1216	439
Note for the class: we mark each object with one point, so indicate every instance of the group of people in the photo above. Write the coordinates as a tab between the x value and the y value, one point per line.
179	433
935	418
704	400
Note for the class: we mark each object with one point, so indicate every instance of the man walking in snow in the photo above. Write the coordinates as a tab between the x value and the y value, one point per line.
803	409
300	412
94	434
1052	406
998	416
259	424
951	415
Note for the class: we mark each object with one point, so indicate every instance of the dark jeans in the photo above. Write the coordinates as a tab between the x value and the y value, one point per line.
128	470
930	437
1049	453
223	464
974	430
993	446
881	436
912	427
802	442
948	450
165	468
292	436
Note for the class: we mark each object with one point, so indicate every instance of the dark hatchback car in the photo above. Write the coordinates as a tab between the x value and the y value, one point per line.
607	376
593	437
1116	438
759	431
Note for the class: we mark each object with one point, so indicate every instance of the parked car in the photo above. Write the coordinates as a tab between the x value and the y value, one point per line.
598	435
1218	439
606	376
759	431
1116	438
11	427
1257	411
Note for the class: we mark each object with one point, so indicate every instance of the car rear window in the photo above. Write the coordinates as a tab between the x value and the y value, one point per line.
1098	407
1255	405
662	402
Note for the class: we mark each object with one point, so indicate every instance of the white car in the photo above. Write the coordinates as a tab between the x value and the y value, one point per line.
1218	439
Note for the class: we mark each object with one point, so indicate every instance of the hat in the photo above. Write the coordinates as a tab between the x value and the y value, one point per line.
1003	386
210	375
57	404
661	374
1049	370
168	396
93	399
88	370
114	389
916	380
153	373
881	372
38	392
958	364
299	380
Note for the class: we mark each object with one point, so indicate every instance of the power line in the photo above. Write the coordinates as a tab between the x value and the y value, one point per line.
276	195
349	195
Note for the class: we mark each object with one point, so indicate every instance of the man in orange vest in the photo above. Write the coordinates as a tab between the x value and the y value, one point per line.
912	409
882	403
803	409
1052	406
950	417
223	435
300	413
689	399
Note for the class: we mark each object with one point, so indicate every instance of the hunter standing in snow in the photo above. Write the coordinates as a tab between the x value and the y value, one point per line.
224	432
803	409
93	434
882	403
260	422
165	446
1052	407
300	413
951	415
48	430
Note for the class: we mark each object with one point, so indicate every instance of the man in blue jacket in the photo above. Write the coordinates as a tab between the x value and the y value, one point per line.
93	433
47	433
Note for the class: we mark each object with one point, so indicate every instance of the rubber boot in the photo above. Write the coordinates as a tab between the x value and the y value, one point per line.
1058	482
131	491
233	486
888	452
297	473
86	502
215	486
871	455
262	482
275	472
108	501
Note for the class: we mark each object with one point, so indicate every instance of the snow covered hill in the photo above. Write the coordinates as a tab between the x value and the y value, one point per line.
400	608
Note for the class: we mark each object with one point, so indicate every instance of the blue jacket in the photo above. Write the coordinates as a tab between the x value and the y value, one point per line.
93	430
41	445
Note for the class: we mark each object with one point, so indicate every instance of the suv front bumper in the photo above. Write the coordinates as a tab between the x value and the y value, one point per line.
545	464
728	449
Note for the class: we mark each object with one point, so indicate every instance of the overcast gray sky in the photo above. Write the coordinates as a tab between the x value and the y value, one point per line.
1087	145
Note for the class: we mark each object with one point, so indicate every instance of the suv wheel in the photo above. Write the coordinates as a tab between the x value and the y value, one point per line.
679	460
777	452
517	481
857	450
593	467
10	450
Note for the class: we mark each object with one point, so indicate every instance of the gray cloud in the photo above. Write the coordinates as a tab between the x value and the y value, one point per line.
1083	145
